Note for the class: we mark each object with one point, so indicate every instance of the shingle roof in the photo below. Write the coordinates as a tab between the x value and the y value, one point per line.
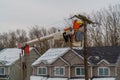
96	54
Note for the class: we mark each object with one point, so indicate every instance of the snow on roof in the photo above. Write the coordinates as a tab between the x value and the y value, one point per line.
9	55
51	55
104	79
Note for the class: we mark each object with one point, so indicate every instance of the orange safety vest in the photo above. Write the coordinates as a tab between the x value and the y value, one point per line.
77	24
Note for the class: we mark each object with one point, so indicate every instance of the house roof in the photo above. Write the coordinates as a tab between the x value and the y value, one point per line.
96	54
51	55
108	54
9	55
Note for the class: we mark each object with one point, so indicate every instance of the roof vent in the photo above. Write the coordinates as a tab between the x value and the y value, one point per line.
97	57
45	61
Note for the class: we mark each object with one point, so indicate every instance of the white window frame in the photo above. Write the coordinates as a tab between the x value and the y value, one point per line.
76	71
59	74
38	71
103	71
4	70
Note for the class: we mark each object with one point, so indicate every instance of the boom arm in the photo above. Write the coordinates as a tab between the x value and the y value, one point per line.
57	35
40	39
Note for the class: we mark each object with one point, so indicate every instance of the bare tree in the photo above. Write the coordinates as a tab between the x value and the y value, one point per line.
108	33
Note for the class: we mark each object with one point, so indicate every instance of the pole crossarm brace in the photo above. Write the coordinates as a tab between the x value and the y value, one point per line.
84	18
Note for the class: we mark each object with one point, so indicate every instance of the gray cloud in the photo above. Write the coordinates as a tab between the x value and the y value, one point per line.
23	13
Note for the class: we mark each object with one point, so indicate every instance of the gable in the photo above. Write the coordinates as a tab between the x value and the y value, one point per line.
103	63
72	58
36	51
59	62
42	64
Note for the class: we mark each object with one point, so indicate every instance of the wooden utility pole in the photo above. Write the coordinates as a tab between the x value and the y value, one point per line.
86	21
21	70
85	52
27	66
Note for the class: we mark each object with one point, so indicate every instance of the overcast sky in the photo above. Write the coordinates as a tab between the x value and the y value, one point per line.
22	14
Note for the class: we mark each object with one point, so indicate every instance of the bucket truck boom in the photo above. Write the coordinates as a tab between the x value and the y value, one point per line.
57	35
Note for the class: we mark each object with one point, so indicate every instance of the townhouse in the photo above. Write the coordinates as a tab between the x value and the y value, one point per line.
66	63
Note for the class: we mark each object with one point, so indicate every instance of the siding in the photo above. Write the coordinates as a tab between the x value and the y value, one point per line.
15	71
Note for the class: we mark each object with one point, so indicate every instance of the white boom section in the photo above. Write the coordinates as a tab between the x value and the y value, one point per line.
57	35
41	39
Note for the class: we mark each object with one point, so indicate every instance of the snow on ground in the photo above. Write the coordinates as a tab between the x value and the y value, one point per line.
57	79
104	79
45	78
37	78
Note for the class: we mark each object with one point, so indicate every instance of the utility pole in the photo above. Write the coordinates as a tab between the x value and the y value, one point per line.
27	66
21	72
85	52
86	21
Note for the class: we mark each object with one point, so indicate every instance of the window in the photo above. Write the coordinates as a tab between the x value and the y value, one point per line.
79	71
42	71
59	71
2	70
103	71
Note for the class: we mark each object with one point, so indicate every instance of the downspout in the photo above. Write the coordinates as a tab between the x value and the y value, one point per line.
50	71
116	72
69	75
91	72
9	73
